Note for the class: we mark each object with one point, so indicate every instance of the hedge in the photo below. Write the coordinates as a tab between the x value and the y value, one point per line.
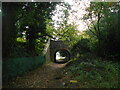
18	66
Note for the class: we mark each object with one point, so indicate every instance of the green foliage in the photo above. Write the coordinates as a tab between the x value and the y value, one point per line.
65	32
39	47
19	66
68	33
103	34
81	47
27	22
49	27
60	29
31	19
19	52
20	40
95	74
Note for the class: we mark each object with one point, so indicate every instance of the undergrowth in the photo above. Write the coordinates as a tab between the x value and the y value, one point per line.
94	73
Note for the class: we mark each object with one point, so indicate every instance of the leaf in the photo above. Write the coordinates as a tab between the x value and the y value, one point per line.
73	81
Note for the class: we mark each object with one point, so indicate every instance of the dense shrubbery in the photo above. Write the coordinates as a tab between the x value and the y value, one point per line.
81	47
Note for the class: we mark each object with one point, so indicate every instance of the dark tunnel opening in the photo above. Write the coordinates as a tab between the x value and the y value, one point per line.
61	56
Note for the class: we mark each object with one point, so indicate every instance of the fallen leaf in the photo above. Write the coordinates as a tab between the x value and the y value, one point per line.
73	81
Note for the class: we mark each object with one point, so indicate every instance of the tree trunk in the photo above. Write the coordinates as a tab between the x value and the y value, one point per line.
8	28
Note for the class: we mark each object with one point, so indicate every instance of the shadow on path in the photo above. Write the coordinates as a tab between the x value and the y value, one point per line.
47	76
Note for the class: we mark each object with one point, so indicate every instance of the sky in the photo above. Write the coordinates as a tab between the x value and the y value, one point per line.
75	14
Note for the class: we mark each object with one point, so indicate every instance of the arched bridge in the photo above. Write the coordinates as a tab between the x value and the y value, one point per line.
53	49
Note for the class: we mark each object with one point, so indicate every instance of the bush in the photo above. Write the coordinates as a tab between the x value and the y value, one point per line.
81	47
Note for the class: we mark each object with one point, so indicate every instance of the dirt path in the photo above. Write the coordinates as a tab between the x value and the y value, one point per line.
47	76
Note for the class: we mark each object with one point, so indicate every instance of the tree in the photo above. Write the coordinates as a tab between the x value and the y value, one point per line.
61	29
26	20
34	16
101	29
8	28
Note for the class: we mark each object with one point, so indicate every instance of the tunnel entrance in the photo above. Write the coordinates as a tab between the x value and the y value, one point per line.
57	51
61	56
